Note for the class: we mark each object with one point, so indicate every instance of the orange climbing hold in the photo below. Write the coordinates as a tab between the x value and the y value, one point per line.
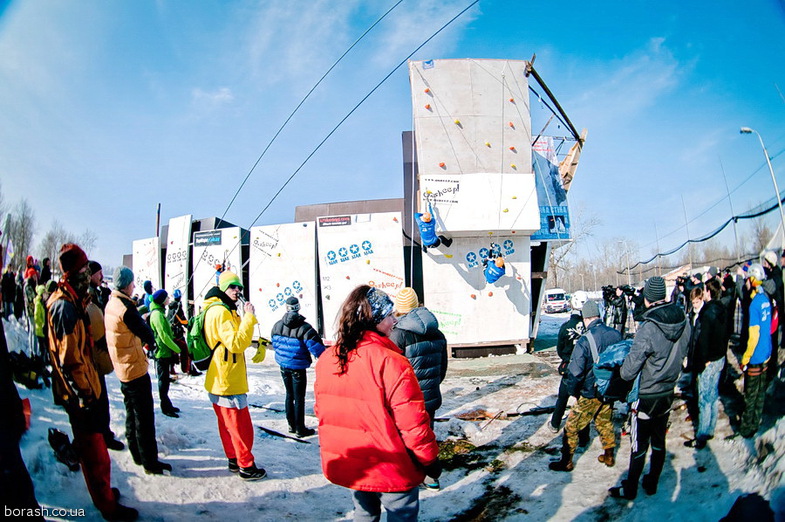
442	165
511	124
428	106
427	90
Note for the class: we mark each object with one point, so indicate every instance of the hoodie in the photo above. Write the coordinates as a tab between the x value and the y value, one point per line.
664	328
417	334
294	340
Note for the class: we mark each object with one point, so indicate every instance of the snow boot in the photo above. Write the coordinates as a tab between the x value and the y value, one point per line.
252	473
649	485
626	490
565	464
157	468
305	432
607	458
233	466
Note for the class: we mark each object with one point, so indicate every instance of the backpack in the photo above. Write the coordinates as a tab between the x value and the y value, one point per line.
201	352
608	382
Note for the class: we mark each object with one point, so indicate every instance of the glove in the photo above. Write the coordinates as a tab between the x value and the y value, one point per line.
434	470
261	351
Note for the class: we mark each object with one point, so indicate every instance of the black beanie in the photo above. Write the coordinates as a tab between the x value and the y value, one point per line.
655	289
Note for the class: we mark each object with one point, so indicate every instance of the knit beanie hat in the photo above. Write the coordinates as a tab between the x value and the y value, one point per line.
123	276
292	304
177	294
72	259
160	296
771	257
228	278
590	309
95	267
381	304
406	300
654	290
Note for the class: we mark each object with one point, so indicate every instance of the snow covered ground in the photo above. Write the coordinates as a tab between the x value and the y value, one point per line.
505	477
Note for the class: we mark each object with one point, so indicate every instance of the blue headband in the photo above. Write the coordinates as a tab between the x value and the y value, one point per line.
381	304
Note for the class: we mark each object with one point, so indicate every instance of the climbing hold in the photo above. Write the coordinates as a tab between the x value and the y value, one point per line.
457	121
490	294
279	254
277	284
347	277
506	210
512	100
327	297
511	124
487	143
428	192
513	232
448	256
367	261
515	197
473	296
513	165
428	106
442	165
427	90
260	289
512	148
395	219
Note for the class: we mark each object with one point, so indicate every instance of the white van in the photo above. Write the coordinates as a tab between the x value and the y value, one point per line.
556	301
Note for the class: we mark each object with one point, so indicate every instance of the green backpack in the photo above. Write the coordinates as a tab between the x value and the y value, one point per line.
201	352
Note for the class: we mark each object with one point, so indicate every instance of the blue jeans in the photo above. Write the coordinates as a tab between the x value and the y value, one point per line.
401	506
708	398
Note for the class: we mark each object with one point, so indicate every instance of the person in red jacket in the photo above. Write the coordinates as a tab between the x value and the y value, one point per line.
374	433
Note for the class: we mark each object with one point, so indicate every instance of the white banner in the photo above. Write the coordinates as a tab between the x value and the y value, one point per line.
147	263
176	269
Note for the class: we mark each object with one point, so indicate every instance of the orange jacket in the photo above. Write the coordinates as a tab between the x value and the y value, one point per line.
374	432
125	331
74	377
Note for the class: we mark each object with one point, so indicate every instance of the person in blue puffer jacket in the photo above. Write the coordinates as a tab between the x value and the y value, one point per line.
294	340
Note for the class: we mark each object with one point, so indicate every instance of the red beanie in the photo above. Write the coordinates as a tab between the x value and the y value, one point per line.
72	258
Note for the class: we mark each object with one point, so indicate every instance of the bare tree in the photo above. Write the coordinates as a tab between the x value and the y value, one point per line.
53	240
761	235
21	227
582	228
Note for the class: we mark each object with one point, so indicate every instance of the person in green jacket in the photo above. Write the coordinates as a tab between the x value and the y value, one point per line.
168	350
39	320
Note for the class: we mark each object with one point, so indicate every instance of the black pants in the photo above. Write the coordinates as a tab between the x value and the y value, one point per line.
649	425
162	367
295	382
16	487
102	410
140	420
561	404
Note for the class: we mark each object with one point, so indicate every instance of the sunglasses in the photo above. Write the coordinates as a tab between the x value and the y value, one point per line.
234	287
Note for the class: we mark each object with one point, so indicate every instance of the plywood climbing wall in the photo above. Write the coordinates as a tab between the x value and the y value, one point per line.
282	264
212	247
357	249
147	263
176	272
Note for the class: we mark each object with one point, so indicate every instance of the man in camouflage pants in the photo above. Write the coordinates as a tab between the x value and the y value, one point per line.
581	381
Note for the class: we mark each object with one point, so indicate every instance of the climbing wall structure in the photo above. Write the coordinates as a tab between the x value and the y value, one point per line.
474	157
147	263
176	267
282	264
212	248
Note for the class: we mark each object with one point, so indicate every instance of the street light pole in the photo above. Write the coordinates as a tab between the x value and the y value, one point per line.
747	130
627	255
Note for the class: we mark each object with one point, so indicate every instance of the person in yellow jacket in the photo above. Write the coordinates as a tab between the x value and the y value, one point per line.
227	380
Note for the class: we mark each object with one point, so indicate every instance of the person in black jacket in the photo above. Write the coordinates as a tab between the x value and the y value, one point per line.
589	408
294	340
569	333
9	291
656	355
711	345
774	274
417	334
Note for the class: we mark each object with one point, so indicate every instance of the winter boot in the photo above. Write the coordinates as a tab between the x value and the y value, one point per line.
626	490
607	458
565	464
233	466
157	468
305	432
649	485
252	473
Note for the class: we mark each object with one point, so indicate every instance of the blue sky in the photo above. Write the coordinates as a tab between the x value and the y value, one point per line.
111	107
